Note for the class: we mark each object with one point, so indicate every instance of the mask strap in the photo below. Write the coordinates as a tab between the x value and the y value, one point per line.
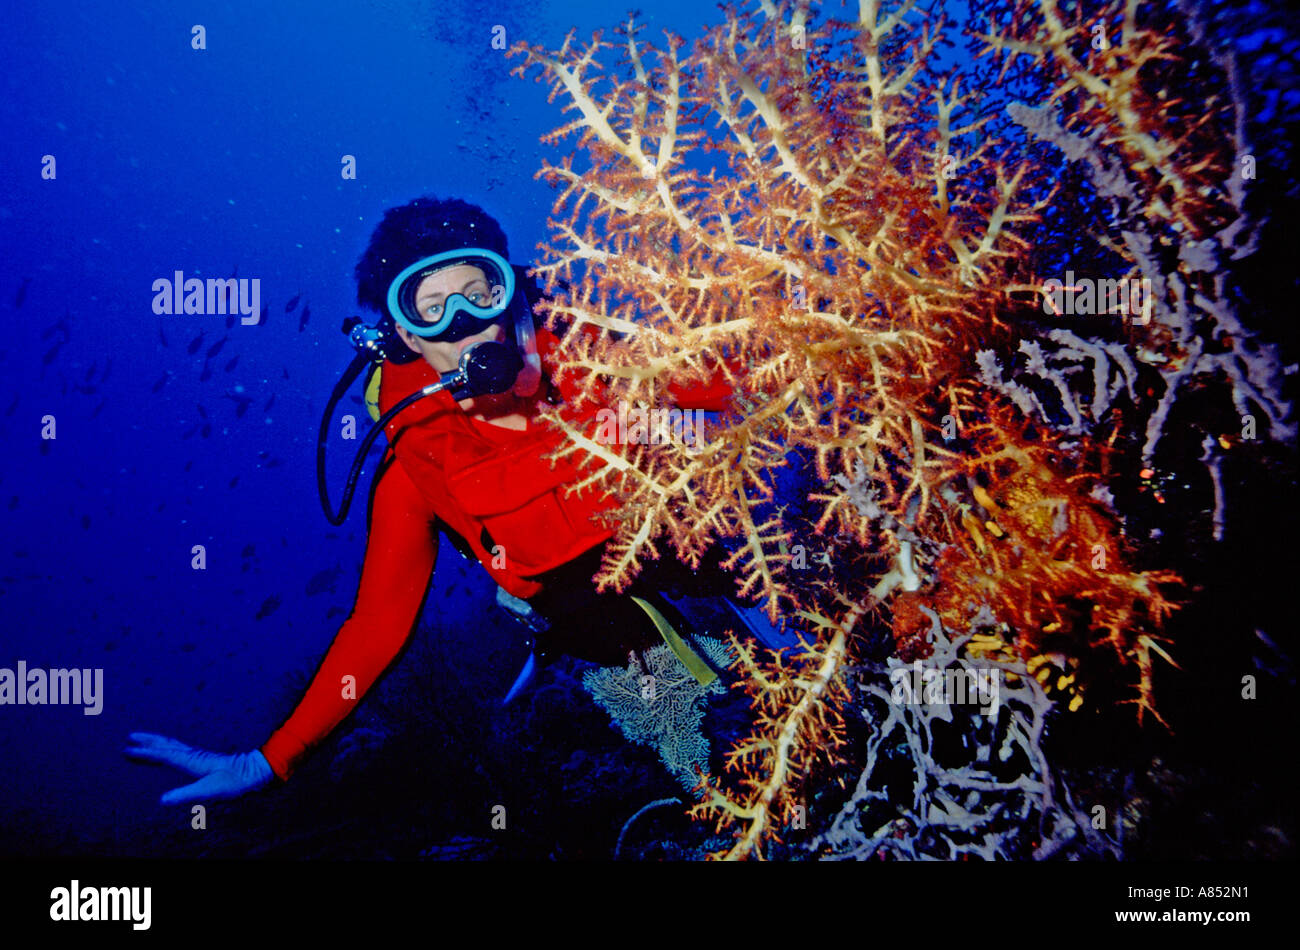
530	377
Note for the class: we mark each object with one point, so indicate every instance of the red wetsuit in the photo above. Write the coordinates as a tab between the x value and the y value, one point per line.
490	485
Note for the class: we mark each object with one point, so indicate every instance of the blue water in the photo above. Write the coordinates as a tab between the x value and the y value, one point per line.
171	159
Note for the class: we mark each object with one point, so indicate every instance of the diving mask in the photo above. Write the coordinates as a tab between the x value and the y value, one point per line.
477	305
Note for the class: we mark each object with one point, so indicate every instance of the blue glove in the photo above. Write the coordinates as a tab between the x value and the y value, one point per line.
220	776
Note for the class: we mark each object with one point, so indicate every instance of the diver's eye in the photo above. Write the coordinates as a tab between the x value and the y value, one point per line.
476	297
433	310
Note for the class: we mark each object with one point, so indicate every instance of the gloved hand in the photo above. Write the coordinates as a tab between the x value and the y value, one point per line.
220	776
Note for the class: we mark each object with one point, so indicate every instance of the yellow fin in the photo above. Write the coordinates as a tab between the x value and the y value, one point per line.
694	665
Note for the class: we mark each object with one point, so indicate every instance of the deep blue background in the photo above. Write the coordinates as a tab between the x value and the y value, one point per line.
203	161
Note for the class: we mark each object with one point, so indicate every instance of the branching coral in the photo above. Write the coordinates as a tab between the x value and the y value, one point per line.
797	723
810	208
1157	118
981	783
816	266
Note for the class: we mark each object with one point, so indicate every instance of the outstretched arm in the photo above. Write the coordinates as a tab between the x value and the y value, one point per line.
712	394
400	555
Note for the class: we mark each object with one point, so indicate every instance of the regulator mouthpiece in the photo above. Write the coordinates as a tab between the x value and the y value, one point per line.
487	367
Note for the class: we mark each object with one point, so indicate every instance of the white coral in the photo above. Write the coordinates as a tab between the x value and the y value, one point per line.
987	797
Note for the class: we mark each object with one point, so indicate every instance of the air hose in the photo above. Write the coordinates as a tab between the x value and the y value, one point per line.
487	367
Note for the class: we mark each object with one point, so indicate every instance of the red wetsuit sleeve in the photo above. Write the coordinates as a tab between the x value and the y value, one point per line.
400	555
712	395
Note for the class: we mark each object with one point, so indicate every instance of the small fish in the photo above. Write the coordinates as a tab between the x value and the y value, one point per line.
85	522
14	405
194	345
292	303
188	647
53	352
21	296
202	412
234	481
230	321
274	463
335	611
206	374
161	505
90	373
98	408
324	581
86	390
190	434
162	337
234	361
215	348
269	606
54	328
286	373
189	465
13	502
207	430
248	550
302	320
241	403
266	309
162	381
267	408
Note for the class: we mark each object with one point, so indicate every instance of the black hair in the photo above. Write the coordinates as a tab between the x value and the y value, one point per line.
426	226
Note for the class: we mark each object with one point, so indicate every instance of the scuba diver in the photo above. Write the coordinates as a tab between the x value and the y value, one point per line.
462	369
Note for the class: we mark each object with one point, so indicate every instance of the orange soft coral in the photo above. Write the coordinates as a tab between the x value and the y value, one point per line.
810	216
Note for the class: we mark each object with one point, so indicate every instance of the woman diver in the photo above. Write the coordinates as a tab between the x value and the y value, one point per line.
464	372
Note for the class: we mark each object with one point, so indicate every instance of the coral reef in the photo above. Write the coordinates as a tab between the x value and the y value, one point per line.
815	210
978	785
1165	147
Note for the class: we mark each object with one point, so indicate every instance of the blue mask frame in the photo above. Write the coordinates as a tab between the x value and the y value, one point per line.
499	273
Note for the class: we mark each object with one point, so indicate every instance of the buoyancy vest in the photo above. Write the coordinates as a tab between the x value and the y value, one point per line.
494	486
